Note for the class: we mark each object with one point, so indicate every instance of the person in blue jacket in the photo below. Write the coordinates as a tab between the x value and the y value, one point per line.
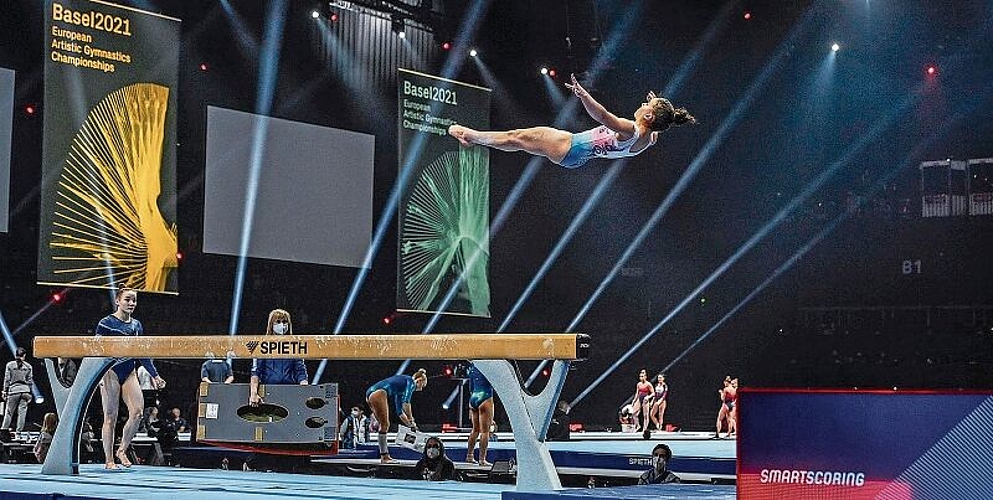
394	394
276	371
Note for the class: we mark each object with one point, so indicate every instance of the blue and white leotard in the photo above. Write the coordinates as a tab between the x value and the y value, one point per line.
600	142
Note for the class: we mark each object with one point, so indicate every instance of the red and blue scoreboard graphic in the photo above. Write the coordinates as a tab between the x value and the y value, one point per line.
803	444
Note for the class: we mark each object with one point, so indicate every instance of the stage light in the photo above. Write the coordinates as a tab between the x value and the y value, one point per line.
551	73
931	70
445	406
835	47
30	109
314	14
39	399
446	46
546	372
334	18
544	70
203	66
448	371
57	297
747	16
473	53
387	320
179	255
402	34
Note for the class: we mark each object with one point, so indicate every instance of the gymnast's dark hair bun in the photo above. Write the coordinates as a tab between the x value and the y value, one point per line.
681	116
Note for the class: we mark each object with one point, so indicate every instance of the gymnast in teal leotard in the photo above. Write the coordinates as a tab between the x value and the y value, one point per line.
397	392
481	412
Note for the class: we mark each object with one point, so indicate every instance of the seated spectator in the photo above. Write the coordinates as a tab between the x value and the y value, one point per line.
176	420
45	438
88	443
659	473
150	423
434	465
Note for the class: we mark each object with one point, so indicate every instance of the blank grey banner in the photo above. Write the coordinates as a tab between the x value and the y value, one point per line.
6	125
314	193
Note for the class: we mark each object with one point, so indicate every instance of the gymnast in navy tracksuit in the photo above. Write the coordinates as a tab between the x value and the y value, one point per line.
276	371
122	381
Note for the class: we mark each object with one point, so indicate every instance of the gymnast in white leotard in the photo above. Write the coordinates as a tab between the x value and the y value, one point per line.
615	138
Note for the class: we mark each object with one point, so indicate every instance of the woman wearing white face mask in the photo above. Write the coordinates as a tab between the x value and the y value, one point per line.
276	371
659	473
434	465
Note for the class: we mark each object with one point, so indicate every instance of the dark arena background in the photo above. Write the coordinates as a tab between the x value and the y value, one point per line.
826	224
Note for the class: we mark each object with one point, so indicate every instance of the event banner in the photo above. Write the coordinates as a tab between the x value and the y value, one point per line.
444	220
108	199
864	444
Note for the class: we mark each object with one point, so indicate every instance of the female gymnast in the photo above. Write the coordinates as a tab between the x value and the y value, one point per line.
658	406
398	390
615	138
122	381
638	404
481	413
725	411
730	397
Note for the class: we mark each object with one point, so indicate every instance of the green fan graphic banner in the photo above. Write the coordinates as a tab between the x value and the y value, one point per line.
444	217
108	198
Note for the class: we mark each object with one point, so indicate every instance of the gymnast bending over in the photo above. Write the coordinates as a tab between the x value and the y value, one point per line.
394	394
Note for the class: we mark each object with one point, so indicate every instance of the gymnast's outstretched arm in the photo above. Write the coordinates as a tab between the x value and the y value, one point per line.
600	113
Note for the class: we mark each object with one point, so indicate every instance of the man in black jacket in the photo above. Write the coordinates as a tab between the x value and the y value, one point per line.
558	429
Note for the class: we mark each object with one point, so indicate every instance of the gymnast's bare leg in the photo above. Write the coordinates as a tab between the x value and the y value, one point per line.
549	142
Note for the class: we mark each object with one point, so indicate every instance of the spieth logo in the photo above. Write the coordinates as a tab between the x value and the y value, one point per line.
251	346
277	347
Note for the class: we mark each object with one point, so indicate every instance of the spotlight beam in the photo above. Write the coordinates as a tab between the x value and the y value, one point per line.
530	171
690	63
577	221
750	95
268	71
880	126
248	44
470	24
566	114
556	94
39	312
877	129
827	230
671	88
607	51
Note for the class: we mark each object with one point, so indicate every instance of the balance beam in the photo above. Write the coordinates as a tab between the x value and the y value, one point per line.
529	414
519	346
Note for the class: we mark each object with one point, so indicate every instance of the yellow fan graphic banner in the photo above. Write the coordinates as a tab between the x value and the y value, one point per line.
108	194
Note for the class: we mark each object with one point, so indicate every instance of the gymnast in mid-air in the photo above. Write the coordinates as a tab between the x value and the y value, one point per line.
615	138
